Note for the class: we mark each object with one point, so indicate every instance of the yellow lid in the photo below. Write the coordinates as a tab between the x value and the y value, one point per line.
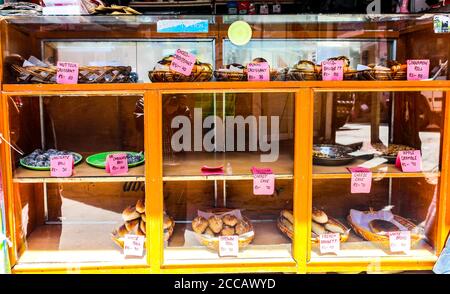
239	33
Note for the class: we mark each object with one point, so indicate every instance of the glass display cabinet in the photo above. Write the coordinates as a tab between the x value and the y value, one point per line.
317	146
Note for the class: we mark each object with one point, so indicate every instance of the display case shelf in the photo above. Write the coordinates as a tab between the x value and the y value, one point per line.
187	167
82	173
74	243
381	171
269	244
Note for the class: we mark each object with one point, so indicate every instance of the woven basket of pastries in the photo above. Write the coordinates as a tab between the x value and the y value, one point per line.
349	73
135	223
304	70
231	73
86	74
323	224
286	223
201	72
376	73
274	75
222	222
379	229
398	70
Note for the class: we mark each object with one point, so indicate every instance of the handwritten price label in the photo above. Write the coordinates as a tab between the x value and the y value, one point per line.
61	165
329	243
183	62
66	73
400	241
361	180
258	71
117	164
263	181
133	245
409	161
418	69
228	245
333	70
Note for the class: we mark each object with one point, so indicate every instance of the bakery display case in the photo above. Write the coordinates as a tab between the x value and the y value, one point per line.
317	146
380	126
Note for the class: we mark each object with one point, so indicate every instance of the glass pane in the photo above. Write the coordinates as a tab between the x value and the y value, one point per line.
230	133
370	130
78	218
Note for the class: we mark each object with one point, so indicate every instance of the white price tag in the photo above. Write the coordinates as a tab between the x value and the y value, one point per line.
330	243
228	245
400	241
133	245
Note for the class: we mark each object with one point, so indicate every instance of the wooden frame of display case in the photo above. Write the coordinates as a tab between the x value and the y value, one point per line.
302	175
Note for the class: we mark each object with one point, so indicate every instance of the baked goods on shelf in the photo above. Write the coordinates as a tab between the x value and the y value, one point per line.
201	72
323	224
390	152
304	70
382	227
319	216
232	73
34	71
222	222
374	225
135	223
393	70
40	159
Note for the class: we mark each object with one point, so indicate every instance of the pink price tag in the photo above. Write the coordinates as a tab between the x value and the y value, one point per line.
61	166
400	241
263	181
66	73
329	243
333	70
117	164
418	69
257	72
361	180
183	62
228	245
409	161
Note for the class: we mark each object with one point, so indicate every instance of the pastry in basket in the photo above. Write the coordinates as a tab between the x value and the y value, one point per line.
305	65
135	223
231	72
215	223
222	222
318	228
199	224
161	72
319	216
382	227
227	231
130	213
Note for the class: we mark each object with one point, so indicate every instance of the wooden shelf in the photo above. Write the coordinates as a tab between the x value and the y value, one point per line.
35	89
187	166
269	245
381	171
358	248
74	243
82	173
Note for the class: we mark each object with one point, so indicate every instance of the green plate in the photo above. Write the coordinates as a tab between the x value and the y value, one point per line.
99	159
47	168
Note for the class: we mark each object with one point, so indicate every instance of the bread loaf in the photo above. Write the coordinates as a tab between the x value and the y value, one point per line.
241	228
334	227
140	206
319	216
199	224
287	214
317	228
227	231
130	213
132	226
230	220
382	227
287	224
215	223
167	222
